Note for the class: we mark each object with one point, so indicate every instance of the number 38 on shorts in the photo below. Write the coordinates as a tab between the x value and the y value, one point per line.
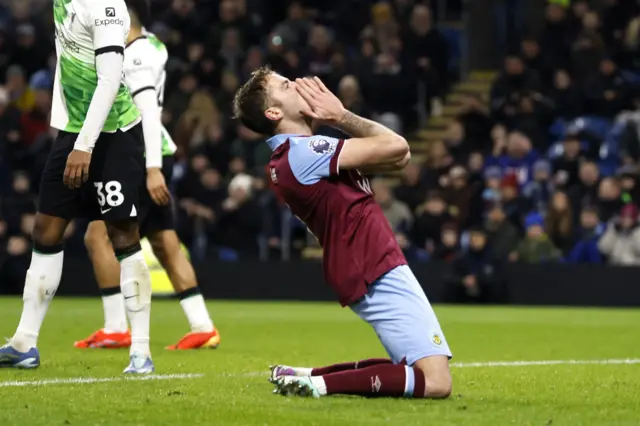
109	195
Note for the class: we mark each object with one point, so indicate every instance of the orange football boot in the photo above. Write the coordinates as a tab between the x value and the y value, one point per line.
102	340
197	340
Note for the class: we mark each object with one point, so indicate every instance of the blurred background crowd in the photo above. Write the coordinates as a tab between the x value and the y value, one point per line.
544	169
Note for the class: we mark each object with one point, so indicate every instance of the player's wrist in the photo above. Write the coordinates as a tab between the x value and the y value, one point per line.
343	117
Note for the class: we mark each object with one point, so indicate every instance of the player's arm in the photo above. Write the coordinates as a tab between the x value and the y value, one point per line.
140	80
108	42
373	146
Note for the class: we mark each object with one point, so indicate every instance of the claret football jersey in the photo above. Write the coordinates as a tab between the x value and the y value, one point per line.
338	208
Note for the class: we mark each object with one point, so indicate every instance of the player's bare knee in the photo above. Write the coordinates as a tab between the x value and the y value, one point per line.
48	230
438	387
123	233
438	382
165	246
96	237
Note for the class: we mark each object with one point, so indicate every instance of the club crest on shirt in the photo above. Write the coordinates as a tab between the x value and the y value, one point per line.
137	62
321	146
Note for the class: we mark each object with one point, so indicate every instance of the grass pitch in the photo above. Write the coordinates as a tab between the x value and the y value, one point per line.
228	386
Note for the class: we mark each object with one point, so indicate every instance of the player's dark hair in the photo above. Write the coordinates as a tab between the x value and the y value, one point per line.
140	12
250	103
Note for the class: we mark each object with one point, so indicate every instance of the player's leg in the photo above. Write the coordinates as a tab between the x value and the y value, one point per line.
57	205
106	268
286	370
166	248
157	223
403	319
117	175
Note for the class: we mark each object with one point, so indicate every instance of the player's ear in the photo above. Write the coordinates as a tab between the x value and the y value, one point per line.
273	114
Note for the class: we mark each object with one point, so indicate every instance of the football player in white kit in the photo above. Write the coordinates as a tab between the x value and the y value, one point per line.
145	76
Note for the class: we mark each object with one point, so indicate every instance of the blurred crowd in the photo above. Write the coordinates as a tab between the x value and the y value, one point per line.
377	56
547	169
544	170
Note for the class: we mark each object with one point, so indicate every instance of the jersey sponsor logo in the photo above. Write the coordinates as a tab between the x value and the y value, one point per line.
67	44
110	12
321	146
105	22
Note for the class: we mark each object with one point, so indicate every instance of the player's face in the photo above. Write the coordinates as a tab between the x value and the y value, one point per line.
286	102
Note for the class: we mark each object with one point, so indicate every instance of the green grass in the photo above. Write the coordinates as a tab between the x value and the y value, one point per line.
254	335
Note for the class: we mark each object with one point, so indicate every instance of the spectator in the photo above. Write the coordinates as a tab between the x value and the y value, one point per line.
239	222
439	161
628	177
559	222
585	192
20	94
535	60
557	35
410	191
538	191
430	50
36	121
474	278
430	220
585	249
514	205
251	148
455	142
503	235
621	241
506	89
491	193
475	166
29	54
396	212
461	197
449	244
518	159
474	116
565	167
609	200
498	141
566	96
588	47
607	91
10	135
536	247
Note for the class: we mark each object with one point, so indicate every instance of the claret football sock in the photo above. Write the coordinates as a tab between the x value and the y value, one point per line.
135	284
393	380
43	278
349	366
195	309
115	314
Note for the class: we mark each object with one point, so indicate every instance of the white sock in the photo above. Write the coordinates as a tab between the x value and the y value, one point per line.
43	278
319	383
302	371
135	284
196	311
115	315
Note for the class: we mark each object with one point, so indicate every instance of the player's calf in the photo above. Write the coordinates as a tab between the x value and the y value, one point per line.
135	284
43	278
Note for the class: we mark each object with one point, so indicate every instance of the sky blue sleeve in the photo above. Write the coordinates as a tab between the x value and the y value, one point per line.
314	158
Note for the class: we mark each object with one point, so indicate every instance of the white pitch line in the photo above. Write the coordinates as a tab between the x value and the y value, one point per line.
92	380
544	362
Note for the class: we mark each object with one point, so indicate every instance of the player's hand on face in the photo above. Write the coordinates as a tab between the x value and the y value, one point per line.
77	170
324	105
157	187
